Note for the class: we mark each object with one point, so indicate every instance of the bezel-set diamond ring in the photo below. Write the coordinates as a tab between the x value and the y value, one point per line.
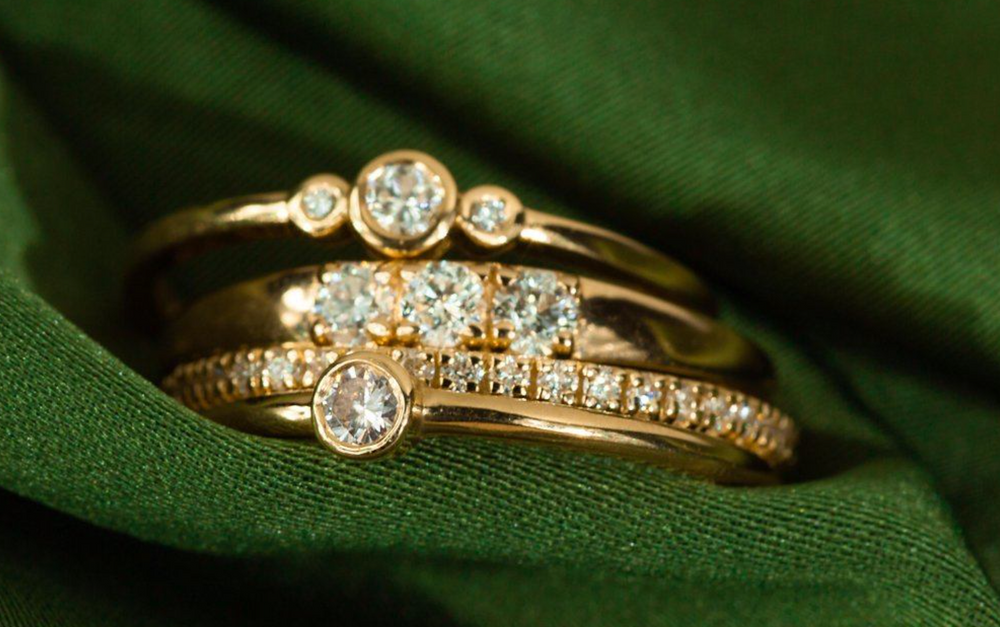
403	204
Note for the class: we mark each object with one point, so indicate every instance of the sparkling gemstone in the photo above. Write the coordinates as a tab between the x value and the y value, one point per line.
403	197
464	371
350	297
318	362
559	381
318	202
442	301
419	364
746	412
602	388
686	399
244	370
509	375
539	308
644	397
489	214
278	369
361	404
718	413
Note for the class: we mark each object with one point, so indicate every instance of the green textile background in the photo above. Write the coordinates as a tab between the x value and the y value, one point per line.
833	169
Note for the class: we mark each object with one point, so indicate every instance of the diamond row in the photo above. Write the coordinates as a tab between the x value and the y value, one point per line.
689	404
446	304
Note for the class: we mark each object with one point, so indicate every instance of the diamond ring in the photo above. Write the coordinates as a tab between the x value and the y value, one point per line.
404	204
482	306
364	404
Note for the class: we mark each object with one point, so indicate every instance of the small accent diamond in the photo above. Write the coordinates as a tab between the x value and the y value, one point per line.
644	396
402	197
602	388
462	372
489	214
442	301
419	364
280	371
361	405
558	381
318	202
320	361
510	376
686	403
245	371
747	414
349	297
718	413
539	308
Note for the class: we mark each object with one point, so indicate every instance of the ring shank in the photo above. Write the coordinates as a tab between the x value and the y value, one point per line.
445	413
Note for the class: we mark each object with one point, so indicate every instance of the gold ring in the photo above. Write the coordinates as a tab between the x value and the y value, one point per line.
366	404
483	220
474	305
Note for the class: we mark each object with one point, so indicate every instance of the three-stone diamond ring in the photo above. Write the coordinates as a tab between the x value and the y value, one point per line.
405	204
367	403
471	305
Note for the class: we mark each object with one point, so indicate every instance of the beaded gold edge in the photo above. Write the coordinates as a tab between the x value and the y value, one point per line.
747	422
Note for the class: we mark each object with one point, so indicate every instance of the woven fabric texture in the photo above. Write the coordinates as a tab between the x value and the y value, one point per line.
831	169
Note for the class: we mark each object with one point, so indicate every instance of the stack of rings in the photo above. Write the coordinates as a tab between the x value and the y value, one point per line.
617	351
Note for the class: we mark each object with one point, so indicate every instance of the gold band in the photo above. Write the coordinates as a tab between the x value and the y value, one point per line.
326	207
277	380
445	413
514	309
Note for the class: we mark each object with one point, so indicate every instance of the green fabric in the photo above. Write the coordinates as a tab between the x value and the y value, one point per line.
831	168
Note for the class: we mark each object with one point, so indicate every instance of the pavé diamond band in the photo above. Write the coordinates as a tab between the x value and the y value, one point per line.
404	204
490	306
301	390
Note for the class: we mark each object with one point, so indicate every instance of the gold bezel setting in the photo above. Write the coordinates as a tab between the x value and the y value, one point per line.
375	370
494	232
328	212
400	244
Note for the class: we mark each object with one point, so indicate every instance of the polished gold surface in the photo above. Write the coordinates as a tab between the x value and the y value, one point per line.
616	325
582	247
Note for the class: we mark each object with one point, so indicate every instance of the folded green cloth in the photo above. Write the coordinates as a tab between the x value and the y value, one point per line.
832	169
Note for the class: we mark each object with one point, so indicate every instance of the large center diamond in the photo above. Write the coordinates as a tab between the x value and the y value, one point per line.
362	405
348	299
442	301
539	308
403	198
